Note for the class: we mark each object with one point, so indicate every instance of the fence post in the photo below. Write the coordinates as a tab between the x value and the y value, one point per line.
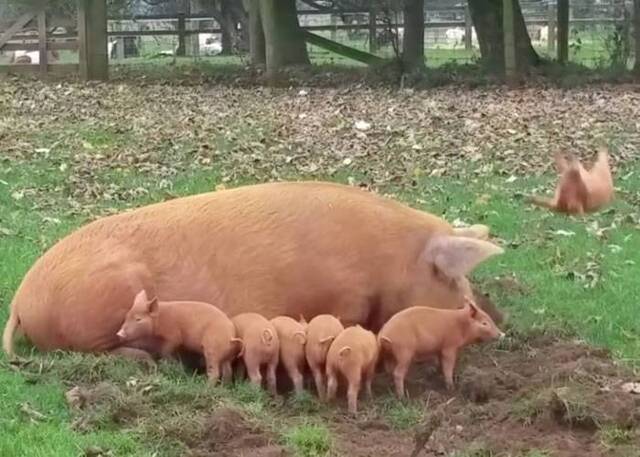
92	34
551	27
42	40
468	27
181	35
510	68
563	31
373	45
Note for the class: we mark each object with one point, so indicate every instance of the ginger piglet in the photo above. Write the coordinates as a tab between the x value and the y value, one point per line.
196	326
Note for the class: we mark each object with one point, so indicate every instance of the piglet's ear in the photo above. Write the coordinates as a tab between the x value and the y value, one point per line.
152	306
473	308
456	256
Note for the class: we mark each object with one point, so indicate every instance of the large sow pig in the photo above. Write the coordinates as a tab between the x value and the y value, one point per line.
291	248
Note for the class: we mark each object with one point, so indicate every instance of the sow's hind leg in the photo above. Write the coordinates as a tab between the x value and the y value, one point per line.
98	303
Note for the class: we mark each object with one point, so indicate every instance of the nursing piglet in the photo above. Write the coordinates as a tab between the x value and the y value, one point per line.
195	326
292	336
353	354
321	331
260	347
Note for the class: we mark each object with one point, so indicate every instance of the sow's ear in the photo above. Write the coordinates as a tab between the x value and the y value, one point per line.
478	231
456	256
141	299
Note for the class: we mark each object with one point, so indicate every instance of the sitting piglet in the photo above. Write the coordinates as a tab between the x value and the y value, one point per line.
353	354
260	347
195	326
292	336
421	332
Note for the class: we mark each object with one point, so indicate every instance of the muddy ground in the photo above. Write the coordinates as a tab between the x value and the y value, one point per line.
536	395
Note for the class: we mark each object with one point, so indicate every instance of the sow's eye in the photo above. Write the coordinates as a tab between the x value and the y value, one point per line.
138	319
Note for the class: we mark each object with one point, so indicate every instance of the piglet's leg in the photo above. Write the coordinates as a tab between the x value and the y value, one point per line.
227	372
332	384
298	380
253	369
352	393
293	370
448	362
400	373
271	376
241	370
213	370
368	379
319	380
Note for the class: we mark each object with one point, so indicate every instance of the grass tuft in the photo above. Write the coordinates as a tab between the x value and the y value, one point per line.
308	440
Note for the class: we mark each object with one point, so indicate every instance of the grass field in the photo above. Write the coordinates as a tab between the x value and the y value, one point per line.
65	159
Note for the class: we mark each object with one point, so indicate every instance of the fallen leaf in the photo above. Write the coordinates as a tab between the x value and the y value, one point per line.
362	125
564	232
631	387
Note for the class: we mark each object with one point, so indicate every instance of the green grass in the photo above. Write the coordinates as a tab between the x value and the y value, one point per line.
584	282
578	274
402	415
308	440
615	436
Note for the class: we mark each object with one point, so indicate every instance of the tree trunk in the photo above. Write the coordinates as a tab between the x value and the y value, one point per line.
488	22
284	41
636	33
563	31
413	42
510	60
228	28
256	35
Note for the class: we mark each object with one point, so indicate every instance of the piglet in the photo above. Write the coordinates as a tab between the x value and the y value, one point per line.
321	331
292	336
421	332
260	347
580	190
195	326
353	354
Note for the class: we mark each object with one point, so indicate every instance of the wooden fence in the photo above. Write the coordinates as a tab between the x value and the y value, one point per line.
13	37
45	42
371	25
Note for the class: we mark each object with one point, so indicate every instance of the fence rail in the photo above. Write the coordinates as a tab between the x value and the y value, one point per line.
68	41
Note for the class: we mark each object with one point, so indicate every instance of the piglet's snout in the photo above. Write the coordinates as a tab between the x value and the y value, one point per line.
121	334
501	335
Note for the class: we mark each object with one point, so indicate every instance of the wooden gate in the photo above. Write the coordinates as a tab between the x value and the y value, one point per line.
33	45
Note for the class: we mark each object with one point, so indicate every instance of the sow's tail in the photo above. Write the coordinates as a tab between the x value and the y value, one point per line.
9	330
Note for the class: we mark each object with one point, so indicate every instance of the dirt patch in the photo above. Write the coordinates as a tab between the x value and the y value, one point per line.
228	433
363	440
530	393
557	396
